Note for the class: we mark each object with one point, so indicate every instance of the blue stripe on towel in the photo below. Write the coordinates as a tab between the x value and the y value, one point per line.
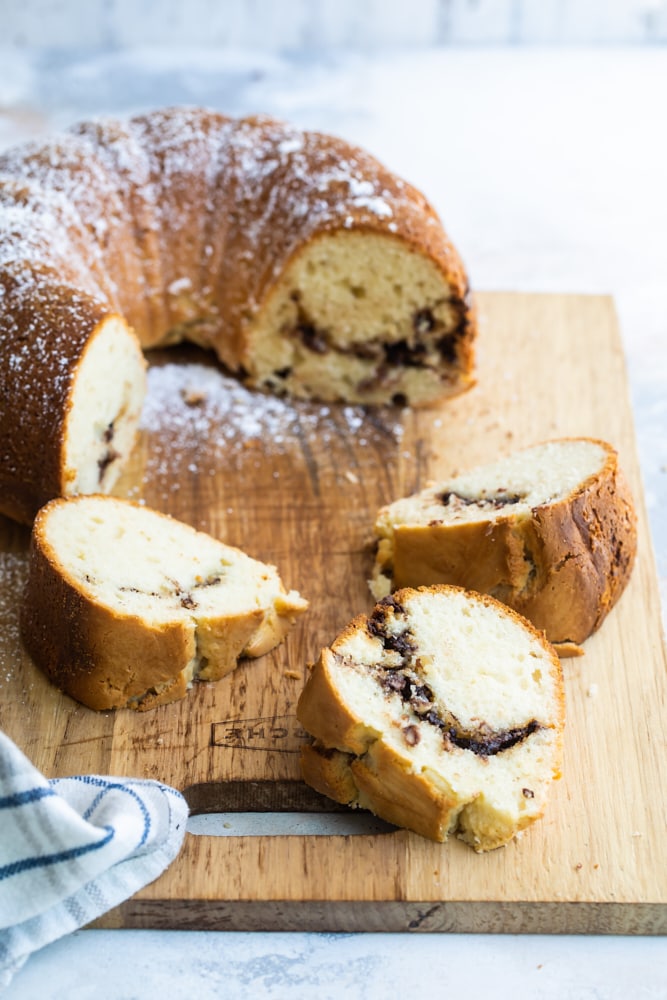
107	786
23	798
16	867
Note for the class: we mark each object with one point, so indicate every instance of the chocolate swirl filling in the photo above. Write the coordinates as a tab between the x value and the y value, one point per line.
404	680
450	497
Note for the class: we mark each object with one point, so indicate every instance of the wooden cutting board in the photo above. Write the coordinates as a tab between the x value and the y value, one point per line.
298	485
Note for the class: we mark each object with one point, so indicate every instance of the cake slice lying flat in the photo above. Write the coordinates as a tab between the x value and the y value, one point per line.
550	531
125	606
442	712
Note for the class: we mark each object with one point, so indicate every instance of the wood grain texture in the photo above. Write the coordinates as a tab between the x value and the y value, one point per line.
299	485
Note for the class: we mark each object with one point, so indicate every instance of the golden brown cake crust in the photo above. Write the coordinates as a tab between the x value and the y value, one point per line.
564	567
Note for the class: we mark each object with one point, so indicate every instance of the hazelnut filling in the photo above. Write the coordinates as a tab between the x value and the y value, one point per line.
184	595
429	344
404	679
110	453
500	499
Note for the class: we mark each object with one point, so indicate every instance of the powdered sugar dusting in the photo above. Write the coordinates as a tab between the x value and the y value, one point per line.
35	349
200	403
101	206
73	201
13	577
214	422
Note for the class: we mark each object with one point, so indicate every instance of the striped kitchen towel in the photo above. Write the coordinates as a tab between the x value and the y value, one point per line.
72	848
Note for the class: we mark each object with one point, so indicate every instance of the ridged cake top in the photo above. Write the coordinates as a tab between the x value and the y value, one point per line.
78	201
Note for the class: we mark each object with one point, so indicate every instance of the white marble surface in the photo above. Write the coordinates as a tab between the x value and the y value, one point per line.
187	965
548	167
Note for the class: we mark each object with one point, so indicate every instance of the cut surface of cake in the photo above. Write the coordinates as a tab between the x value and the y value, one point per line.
125	606
549	530
441	712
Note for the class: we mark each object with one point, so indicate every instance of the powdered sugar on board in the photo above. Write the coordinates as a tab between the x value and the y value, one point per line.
13	577
199	416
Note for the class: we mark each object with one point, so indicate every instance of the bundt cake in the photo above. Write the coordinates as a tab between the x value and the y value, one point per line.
307	267
442	712
125	606
549	530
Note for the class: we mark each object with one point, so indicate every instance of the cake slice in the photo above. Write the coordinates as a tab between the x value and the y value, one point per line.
549	531
441	712
70	421
125	606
